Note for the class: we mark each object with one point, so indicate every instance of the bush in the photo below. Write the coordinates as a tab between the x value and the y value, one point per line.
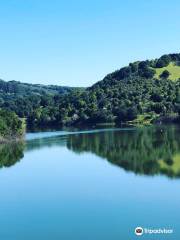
10	125
165	74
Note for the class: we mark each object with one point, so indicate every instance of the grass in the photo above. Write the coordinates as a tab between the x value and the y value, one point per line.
173	69
144	119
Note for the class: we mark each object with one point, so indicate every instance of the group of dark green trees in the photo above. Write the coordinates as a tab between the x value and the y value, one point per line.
11	127
120	97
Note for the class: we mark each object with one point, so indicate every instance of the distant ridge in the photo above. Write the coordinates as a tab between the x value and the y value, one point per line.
24	89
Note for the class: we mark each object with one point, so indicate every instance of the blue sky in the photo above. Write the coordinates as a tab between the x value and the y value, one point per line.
78	42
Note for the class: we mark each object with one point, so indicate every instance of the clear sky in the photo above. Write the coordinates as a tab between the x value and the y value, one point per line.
78	42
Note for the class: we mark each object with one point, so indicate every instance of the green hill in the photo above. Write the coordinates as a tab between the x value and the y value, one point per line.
141	93
15	88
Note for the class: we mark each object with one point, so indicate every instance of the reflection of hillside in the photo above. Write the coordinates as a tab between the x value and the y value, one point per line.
46	142
149	151
144	151
11	153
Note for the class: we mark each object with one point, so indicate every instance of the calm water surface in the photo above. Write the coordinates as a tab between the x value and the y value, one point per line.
91	185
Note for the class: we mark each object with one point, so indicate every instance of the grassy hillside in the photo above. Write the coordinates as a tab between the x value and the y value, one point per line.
172	68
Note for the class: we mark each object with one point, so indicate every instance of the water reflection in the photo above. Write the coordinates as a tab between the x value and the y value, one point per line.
11	153
147	151
150	151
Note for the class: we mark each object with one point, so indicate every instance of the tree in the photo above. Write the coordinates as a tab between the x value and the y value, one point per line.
147	72
163	61
131	113
10	125
165	74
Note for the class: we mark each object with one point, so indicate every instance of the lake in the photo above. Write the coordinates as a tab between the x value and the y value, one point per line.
91	185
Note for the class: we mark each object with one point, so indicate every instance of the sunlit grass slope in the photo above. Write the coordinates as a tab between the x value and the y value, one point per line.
173	69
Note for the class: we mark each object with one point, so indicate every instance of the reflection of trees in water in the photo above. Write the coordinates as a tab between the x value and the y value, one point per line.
147	151
46	142
11	153
141	151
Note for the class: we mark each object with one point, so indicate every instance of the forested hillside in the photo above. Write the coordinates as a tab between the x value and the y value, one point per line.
15	88
143	92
